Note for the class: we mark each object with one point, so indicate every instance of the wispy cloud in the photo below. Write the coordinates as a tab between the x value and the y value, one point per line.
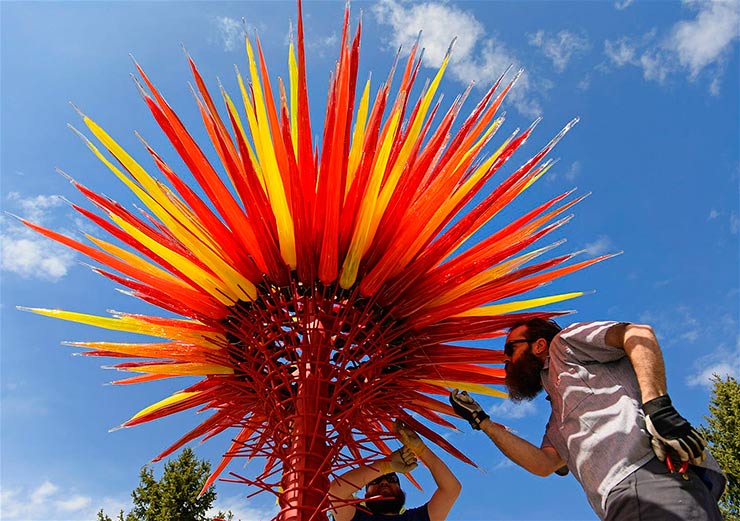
476	57
559	48
26	253
623	4
49	501
231	32
513	410
242	509
692	47
722	362
600	246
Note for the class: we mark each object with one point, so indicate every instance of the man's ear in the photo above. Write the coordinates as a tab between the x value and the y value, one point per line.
540	347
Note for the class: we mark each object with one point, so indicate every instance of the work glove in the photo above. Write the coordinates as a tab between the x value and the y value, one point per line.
409	438
467	408
672	430
402	461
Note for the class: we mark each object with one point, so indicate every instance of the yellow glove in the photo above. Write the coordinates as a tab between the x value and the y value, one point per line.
402	460
409	438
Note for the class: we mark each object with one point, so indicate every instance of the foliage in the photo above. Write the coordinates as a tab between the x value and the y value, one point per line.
723	433
174	497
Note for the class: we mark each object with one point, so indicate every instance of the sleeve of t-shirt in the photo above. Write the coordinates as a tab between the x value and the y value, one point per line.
585	342
417	514
546	441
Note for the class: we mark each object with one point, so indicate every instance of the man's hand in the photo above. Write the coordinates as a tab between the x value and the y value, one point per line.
409	438
667	426
402	460
467	408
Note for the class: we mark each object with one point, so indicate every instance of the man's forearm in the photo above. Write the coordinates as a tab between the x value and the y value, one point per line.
534	459
644	352
443	476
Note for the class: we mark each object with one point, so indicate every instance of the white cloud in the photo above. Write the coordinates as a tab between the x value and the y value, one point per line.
573	171
691	46
33	256
511	409
27	253
623	4
43	492
723	362
601	245
73	503
34	209
231	32
703	41
620	53
713	214
561	47
476	56
242	509
50	502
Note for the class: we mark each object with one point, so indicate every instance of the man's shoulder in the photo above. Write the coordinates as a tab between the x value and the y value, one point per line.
412	514
416	514
585	332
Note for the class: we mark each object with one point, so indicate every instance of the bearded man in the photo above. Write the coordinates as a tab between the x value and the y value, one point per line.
612	423
384	498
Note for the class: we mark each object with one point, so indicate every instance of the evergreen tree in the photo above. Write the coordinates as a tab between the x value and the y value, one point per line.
723	433
175	496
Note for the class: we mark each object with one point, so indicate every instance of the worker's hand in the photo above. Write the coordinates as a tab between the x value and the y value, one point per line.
409	438
467	408
402	460
667	426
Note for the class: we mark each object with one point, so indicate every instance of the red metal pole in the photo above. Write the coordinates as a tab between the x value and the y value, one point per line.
306	469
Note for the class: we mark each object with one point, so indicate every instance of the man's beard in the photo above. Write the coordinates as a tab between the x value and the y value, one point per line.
387	506
523	377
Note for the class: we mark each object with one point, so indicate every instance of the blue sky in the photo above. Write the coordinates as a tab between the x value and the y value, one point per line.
655	85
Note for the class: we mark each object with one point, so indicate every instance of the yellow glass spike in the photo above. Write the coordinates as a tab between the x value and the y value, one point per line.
363	232
136	261
179	212
358	138
511	307
145	350
182	369
487	276
449	204
175	398
271	171
293	76
227	286
235	113
467	386
146	182
537	176
125	324
253	129
389	185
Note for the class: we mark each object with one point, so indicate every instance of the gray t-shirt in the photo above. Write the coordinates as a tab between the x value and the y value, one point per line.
596	425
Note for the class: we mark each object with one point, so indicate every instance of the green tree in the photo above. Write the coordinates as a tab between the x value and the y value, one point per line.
174	497
723	433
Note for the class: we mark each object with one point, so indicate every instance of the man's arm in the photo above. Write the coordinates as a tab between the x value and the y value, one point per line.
343	487
667	428
641	346
448	486
541	461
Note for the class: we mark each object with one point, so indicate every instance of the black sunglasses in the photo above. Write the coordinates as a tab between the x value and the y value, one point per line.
389	478
509	346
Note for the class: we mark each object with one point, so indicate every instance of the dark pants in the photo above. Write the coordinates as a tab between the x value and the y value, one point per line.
652	492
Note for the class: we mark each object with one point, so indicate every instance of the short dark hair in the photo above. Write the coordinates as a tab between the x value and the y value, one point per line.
538	328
